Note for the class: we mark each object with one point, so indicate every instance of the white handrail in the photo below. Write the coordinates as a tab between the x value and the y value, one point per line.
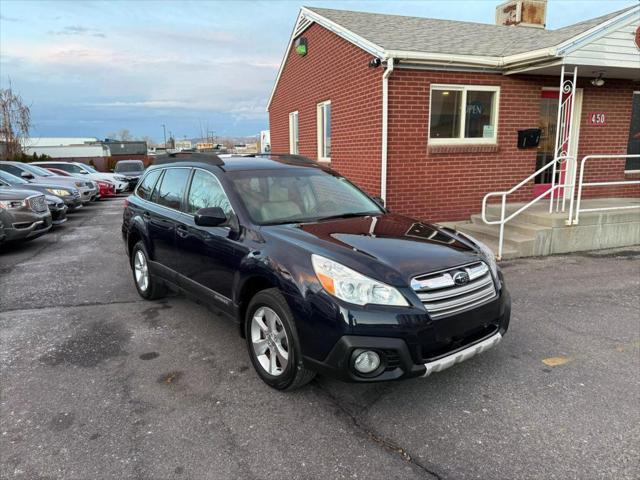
581	184
552	164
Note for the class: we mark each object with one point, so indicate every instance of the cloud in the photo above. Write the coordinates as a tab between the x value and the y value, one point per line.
77	30
4	18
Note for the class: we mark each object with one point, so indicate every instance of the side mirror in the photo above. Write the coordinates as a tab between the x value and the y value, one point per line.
379	201
210	217
27	175
112	170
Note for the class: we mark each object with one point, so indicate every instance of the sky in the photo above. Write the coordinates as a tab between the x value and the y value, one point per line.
91	68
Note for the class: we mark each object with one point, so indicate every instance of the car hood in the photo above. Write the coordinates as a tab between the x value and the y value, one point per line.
41	187
105	176
57	180
395	243
11	193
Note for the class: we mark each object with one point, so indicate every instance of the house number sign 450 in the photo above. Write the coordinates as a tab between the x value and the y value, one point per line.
597	118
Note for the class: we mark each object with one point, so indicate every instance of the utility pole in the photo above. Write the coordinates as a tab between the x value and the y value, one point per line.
164	132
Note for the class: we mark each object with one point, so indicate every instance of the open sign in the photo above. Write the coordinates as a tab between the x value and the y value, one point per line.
597	118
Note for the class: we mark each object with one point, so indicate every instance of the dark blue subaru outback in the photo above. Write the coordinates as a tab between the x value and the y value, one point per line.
318	275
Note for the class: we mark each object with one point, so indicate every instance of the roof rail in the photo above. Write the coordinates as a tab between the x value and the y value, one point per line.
286	157
210	158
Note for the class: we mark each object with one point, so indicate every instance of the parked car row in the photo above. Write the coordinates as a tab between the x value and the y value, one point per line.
35	197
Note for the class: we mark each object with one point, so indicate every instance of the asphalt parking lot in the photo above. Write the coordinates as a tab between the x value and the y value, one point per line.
97	383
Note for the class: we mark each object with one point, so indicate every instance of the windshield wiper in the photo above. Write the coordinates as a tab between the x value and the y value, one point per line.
346	215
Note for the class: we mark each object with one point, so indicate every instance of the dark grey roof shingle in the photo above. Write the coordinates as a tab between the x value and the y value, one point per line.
418	34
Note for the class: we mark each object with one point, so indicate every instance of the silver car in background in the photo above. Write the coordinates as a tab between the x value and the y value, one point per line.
87	188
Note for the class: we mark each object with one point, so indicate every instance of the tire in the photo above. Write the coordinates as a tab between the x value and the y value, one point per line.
153	289
275	335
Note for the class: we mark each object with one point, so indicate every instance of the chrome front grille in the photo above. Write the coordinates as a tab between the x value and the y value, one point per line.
443	296
38	204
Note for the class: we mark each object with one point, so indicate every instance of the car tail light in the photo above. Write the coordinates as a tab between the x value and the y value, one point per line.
126	202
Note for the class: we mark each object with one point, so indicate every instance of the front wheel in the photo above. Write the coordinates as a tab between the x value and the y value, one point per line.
273	343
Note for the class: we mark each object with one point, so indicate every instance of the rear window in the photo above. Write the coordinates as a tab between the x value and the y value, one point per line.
172	187
68	167
129	166
146	186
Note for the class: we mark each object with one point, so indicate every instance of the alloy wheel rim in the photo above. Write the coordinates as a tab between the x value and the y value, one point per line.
141	270
269	341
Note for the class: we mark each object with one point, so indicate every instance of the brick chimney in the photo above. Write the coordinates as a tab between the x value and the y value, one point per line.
526	13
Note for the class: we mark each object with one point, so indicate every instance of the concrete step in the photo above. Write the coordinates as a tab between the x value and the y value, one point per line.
535	217
514	246
516	226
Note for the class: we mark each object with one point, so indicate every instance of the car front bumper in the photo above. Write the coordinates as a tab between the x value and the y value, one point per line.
21	230
58	215
416	349
87	195
72	202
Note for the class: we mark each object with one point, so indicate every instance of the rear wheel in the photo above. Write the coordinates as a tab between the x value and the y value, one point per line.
273	343
148	287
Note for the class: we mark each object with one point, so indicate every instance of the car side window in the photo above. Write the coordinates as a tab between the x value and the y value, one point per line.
11	169
146	186
172	187
206	192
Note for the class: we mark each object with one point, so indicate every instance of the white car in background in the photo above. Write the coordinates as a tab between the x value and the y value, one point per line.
82	170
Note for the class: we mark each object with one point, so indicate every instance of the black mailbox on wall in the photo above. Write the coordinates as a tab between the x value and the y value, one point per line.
529	138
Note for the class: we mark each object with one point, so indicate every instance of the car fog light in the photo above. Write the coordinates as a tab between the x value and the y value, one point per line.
366	362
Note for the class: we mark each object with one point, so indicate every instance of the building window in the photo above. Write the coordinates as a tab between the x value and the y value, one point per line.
294	137
463	114
633	147
324	131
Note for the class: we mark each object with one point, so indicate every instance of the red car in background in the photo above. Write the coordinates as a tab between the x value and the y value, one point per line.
105	189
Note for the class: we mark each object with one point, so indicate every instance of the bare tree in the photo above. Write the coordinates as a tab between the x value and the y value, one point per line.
125	135
149	140
15	121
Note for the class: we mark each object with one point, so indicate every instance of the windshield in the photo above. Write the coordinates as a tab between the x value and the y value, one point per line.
299	195
90	168
12	179
129	167
41	172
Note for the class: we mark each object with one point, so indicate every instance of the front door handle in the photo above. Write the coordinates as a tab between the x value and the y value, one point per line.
182	231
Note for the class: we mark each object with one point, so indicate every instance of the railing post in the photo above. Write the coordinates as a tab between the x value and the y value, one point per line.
574	172
501	239
553	183
575	222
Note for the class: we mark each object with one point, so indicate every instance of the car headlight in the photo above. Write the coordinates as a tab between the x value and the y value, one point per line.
12	203
353	287
487	253
59	192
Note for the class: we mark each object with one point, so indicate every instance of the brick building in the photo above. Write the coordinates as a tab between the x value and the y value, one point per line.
428	113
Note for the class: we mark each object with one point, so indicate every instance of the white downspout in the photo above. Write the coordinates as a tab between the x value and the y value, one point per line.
385	127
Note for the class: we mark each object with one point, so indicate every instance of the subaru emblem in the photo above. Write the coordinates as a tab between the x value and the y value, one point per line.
461	278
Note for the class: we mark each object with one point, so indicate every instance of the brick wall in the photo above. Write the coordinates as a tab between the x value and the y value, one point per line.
614	99
448	183
335	70
435	183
